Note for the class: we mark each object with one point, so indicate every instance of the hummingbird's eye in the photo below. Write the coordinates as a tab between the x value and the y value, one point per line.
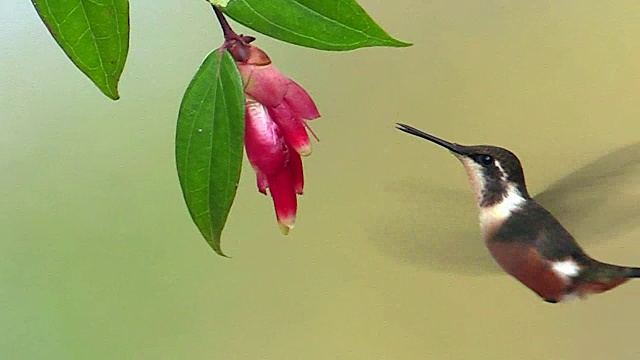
485	159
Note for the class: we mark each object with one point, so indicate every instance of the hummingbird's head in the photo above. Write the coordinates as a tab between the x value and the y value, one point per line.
495	173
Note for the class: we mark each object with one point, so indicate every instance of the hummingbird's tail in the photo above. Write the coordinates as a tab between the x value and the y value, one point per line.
613	272
634	272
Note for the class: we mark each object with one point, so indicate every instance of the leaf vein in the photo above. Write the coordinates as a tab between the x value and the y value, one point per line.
68	15
120	45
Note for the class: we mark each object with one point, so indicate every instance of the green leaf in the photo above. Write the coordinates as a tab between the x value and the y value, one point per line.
321	24
209	143
94	34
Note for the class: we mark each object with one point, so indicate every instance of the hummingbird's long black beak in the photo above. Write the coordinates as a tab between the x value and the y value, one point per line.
458	149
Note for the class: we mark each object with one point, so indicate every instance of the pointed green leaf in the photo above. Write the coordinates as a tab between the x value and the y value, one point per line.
321	24
209	143
94	34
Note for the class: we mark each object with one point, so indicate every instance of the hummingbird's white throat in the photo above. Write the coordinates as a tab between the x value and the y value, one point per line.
500	211
495	213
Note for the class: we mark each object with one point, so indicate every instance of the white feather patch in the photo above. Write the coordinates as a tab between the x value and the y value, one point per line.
572	296
566	269
504	174
502	210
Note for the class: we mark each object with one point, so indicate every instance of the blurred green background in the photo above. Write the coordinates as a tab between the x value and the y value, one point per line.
100	260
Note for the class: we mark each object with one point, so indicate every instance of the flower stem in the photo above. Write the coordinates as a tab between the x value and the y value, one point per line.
228	32
238	45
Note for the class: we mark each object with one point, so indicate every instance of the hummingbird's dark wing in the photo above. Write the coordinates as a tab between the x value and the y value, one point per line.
599	200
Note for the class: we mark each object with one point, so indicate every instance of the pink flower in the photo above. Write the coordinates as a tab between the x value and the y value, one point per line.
276	132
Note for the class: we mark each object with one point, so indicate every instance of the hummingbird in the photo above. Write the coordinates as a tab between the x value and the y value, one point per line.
525	239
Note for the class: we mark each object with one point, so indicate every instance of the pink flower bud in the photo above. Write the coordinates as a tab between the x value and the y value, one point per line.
276	132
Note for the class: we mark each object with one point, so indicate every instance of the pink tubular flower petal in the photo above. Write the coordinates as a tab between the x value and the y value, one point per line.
265	84
263	142
261	180
297	174
284	200
245	72
292	128
300	101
